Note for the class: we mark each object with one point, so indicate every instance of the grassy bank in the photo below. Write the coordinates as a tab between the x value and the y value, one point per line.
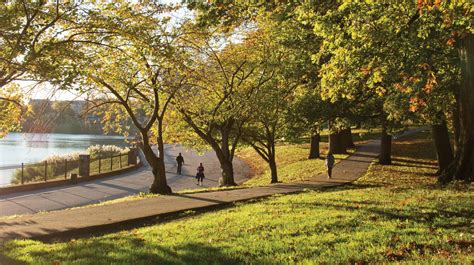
394	213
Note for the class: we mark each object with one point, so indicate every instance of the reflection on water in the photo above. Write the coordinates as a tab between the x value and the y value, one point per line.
16	148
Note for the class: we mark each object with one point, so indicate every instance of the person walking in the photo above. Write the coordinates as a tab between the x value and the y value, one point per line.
329	164
180	162
200	174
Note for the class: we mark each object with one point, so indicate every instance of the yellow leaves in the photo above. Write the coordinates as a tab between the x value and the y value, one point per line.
377	77
380	91
11	108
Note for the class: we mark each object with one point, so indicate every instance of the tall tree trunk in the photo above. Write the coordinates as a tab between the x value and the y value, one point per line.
442	144
385	156
456	123
347	138
314	146
336	144
159	185
462	167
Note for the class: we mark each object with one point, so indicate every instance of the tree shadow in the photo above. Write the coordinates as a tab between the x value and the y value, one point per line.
4	260
135	249
414	161
418	214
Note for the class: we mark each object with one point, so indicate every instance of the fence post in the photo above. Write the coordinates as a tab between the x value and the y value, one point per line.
132	156
65	169
22	179
45	170
84	165
99	162
120	160
111	162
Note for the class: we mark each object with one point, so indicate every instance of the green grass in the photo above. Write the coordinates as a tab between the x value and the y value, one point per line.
395	213
292	161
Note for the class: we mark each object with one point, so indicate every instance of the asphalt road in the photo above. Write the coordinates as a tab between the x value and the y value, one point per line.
121	185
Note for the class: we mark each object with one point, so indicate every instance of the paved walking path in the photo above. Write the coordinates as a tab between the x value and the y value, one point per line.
101	218
122	185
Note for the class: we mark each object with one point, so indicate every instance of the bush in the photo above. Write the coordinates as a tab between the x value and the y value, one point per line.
105	150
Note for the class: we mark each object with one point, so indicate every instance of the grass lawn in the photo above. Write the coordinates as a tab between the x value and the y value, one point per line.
292	161
395	213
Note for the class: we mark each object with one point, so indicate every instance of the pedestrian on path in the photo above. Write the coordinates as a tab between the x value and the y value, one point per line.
180	162
329	164
200	174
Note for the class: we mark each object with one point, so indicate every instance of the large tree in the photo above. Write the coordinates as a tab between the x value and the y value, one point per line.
221	77
133	73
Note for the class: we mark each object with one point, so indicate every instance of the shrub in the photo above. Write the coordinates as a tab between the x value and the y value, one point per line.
105	150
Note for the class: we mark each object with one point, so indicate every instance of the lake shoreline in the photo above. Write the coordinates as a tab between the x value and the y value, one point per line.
17	148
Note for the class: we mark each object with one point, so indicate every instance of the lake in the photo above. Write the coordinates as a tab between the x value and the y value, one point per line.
16	148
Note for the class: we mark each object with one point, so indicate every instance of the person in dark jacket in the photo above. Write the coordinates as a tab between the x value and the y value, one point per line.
330	164
180	162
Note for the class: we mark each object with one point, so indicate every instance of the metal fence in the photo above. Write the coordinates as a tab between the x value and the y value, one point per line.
108	163
25	173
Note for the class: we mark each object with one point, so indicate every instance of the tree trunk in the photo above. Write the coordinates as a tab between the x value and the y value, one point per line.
462	167
456	123
443	145
273	169
347	138
225	159
336	144
385	156
314	149
227	176
159	185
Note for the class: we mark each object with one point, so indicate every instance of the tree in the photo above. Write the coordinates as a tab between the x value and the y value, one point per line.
132	71
221	79
33	38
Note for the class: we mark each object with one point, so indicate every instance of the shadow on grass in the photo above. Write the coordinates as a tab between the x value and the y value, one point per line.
414	161
134	250
428	216
9	261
